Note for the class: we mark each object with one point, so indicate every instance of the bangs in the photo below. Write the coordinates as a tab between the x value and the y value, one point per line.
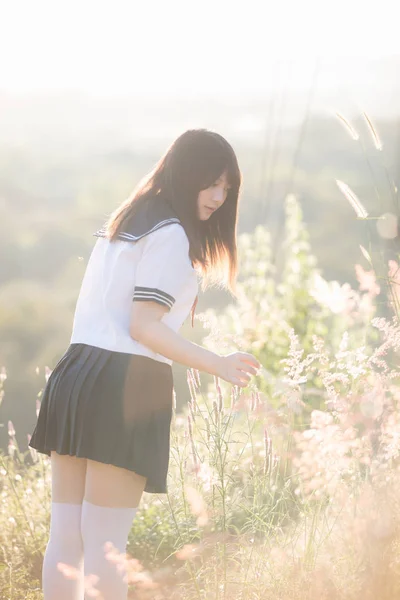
222	161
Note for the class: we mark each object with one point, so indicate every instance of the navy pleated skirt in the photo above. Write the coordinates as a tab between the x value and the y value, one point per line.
109	406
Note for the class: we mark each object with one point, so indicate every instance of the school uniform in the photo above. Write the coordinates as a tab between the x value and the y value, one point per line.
109	398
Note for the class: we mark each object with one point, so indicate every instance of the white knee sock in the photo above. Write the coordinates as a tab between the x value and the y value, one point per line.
101	524
64	546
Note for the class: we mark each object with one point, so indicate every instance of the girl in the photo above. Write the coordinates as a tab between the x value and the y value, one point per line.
106	409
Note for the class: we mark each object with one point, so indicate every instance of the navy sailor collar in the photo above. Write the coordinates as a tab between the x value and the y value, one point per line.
153	214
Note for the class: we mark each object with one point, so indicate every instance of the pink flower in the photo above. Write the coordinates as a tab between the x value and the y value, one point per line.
338	298
197	505
68	571
367	281
196	376
188	552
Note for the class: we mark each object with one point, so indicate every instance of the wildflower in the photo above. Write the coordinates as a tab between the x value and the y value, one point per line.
38	403
219	395
188	551
215	411
196	376
348	127
131	568
197	505
329	452
294	365
394	281
207	421
68	571
192	411
206	476
89	583
371	404
352	199
233	395
191	384
267	446
367	281
320	419
3	374
377	142
11	448
338	298
193	447
11	430
366	254
47	373
294	401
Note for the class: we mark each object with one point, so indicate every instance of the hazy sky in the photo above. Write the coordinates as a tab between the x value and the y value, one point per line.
179	46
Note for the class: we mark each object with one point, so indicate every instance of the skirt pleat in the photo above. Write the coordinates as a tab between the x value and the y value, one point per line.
109	406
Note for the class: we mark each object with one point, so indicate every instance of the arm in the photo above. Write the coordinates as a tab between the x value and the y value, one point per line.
147	328
161	273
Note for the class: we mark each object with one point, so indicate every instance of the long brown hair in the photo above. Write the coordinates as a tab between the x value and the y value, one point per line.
194	161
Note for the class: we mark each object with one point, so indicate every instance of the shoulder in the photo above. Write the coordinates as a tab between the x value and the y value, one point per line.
168	237
166	247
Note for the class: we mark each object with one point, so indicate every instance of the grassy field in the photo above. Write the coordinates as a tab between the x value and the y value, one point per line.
269	498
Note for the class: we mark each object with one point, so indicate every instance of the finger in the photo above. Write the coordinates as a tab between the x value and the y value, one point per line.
243	375
238	379
248	369
250	359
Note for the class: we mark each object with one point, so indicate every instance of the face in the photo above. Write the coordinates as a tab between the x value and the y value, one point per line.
212	198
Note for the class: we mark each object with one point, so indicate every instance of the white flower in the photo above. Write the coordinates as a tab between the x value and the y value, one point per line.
338	298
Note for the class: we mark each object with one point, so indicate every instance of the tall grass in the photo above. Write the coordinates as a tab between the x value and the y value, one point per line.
260	506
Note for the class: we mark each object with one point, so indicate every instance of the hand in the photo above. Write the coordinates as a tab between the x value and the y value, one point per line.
237	368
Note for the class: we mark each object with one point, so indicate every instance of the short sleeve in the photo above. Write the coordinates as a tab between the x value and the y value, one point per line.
164	266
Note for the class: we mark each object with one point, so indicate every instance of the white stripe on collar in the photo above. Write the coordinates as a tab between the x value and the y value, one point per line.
128	237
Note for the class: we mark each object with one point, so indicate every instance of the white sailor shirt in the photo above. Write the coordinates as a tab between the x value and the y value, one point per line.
154	265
